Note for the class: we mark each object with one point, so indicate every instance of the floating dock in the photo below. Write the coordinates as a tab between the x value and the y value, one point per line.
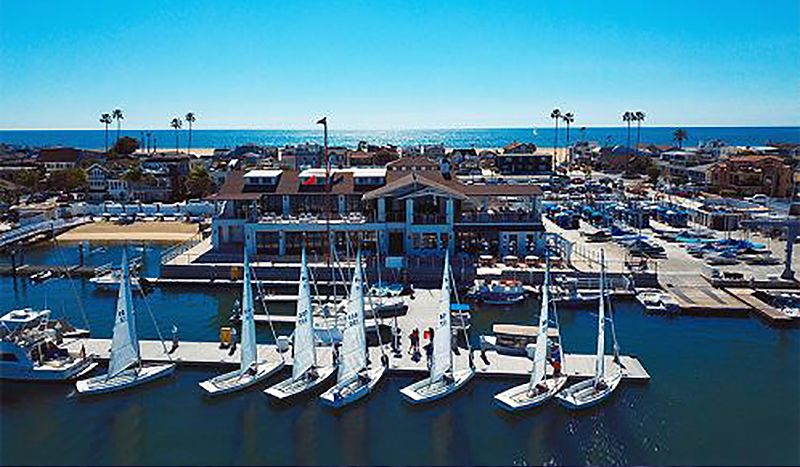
765	310
210	354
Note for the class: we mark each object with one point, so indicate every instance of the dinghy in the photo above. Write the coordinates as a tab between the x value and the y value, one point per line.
306	374
540	388
125	368
356	378
443	379
250	371
591	392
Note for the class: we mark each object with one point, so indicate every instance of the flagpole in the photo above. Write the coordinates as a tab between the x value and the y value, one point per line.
324	122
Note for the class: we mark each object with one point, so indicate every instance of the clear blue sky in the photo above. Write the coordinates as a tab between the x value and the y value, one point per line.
398	64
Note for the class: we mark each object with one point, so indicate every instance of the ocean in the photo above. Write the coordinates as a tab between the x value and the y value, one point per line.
724	390
451	138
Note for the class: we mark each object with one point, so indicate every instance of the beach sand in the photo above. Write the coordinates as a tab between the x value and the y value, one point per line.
139	231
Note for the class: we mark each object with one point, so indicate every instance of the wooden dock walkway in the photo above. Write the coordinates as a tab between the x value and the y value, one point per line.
209	354
765	310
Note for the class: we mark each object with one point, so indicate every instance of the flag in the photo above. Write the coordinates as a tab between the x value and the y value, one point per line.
310	181
322	121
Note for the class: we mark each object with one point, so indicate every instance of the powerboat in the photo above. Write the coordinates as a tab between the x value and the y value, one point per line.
33	349
657	301
498	292
513	339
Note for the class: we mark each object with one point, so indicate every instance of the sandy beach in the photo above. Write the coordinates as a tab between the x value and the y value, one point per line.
139	231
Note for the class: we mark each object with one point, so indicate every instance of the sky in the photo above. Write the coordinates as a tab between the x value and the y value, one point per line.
389	64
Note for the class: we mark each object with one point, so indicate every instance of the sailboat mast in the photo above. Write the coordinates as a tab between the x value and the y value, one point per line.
601	318
540	356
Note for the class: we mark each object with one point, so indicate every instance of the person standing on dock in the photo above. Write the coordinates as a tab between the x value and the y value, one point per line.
234	338
174	338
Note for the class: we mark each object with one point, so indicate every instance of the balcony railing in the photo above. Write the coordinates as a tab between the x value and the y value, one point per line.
497	217
428	219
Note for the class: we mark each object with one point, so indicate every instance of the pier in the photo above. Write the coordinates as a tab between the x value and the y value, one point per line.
211	355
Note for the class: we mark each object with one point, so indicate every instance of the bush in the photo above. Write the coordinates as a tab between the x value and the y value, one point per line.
125	145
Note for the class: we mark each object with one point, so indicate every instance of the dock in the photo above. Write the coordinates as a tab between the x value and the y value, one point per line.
764	310
695	296
211	355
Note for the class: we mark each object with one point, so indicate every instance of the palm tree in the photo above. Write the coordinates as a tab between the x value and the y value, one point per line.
639	117
627	117
148	135
118	116
105	119
568	118
176	124
680	136
190	118
555	115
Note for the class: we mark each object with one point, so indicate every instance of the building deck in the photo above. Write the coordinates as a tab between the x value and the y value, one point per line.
210	354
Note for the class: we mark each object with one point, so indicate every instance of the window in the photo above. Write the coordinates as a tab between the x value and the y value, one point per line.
8	357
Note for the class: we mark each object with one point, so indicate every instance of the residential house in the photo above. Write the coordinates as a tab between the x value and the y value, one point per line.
752	174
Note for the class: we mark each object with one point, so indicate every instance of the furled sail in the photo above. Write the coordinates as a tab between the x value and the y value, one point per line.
540	356
599	369
248	322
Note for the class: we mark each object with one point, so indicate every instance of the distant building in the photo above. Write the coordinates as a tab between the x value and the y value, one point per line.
752	174
519	148
55	159
523	164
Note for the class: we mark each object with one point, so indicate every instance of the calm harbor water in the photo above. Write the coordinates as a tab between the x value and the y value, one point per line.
480	138
724	391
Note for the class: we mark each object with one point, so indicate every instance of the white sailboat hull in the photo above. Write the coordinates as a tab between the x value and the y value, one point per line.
350	391
236	381
521	398
289	387
425	391
127	379
583	395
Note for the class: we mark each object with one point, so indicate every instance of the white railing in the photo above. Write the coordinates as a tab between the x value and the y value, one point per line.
21	233
171	253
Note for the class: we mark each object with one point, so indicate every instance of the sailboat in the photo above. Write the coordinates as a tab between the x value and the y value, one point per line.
306	373
598	388
540	388
356	377
250	371
443	379
125	368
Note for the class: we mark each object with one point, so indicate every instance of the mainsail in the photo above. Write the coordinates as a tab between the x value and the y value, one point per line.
599	369
125	343
248	323
442	362
303	338
540	356
354	341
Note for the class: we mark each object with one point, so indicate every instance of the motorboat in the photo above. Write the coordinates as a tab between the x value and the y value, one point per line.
498	292
657	301
513	339
34	349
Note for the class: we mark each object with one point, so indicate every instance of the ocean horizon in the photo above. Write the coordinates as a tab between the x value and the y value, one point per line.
453	137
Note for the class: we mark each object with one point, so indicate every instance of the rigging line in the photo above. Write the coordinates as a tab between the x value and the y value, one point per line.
72	286
155	324
313	281
266	310
378	322
458	301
